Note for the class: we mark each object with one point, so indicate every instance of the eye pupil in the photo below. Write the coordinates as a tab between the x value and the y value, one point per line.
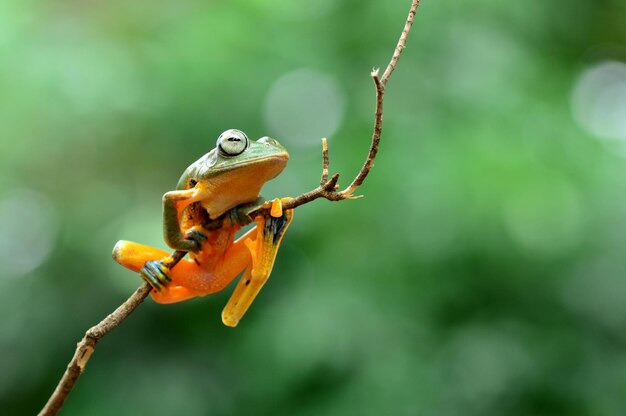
234	139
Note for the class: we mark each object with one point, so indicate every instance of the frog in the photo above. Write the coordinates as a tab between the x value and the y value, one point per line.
215	197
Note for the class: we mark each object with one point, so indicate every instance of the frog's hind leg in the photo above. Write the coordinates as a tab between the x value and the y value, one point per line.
134	256
263	246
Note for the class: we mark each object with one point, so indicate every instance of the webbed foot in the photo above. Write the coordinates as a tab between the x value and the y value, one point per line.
270	230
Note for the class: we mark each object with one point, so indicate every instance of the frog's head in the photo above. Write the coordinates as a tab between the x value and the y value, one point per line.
234	150
236	169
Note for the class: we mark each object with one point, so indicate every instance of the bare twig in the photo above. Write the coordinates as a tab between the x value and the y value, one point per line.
327	189
401	42
324	162
87	345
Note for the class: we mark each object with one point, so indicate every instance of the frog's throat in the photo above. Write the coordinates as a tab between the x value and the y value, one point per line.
239	186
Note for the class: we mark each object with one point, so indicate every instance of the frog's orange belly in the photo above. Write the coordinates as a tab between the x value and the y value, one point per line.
199	279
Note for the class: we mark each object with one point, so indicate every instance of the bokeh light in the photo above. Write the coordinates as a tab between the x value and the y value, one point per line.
599	100
304	106
28	231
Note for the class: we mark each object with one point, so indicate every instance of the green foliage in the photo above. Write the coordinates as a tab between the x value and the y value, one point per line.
483	273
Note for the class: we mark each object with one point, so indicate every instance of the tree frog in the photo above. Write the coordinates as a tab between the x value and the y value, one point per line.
210	204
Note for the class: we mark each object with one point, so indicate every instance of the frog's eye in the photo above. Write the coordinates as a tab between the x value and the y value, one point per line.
232	142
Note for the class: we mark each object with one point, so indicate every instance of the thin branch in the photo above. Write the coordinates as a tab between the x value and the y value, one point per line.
378	128
327	189
401	43
86	347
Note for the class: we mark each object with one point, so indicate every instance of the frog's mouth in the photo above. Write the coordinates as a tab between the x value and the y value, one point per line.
218	163
242	183
257	163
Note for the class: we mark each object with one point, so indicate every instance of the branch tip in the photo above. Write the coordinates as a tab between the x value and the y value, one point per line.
325	161
332	183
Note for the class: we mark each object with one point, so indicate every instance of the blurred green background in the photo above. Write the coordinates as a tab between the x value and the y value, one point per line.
484	272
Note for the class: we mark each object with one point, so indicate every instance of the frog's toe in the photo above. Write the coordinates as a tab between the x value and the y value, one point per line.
155	274
241	214
197	238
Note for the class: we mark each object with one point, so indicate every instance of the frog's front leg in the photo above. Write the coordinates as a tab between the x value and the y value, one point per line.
174	203
263	246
